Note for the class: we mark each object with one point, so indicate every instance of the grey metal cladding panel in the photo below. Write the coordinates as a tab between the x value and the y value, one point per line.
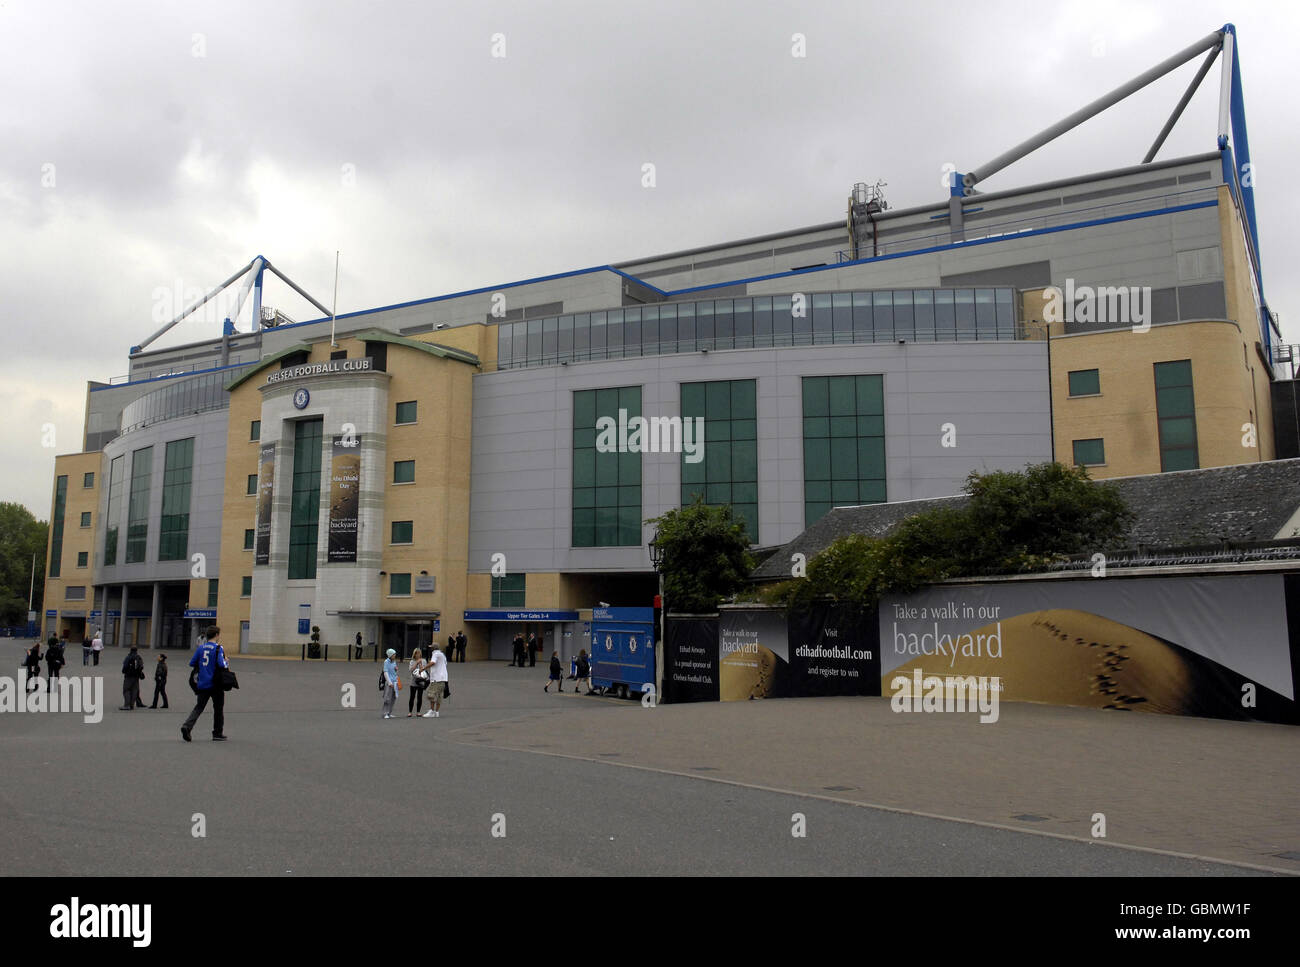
1195	176
1204	301
1124	189
996	211
1026	275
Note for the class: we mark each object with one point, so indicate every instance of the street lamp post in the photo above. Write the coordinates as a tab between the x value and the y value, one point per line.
657	559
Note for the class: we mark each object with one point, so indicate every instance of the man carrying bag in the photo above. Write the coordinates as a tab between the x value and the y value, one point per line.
211	683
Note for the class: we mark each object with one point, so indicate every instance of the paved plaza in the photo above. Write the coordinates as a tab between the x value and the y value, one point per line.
511	780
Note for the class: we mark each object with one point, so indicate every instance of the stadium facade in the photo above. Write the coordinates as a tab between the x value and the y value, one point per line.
441	464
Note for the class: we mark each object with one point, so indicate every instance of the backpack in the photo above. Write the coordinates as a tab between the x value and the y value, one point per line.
383	680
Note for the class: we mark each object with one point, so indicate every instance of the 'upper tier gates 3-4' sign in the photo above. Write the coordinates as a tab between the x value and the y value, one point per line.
321	369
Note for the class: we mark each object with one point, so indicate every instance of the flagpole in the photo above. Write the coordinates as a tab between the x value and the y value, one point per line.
335	308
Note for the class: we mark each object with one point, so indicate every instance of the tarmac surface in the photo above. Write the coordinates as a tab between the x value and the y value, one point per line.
511	780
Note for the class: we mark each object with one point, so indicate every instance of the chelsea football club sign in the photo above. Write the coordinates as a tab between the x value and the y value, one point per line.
301	397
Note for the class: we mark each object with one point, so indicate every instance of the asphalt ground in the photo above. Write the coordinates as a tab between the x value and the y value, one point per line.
511	780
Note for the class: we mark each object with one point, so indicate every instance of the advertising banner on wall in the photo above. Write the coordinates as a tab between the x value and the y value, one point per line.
265	481
690	660
1211	645
834	651
753	654
345	485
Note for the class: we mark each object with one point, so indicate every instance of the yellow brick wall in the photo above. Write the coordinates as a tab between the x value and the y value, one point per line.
76	539
238	513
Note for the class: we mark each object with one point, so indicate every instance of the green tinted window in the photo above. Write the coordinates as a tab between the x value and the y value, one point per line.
606	483
212	592
508	591
304	513
722	469
246	586
402	531
137	514
404	471
406	412
399	584
843	442
174	531
1176	416
1089	452
1085	382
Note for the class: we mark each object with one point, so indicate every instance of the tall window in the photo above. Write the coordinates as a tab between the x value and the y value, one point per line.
728	472
56	542
115	471
606	483
212	592
1176	416
843	443
508	591
174	532
304	514
137	511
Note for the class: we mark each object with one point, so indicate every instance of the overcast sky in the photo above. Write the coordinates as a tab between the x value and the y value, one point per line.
154	148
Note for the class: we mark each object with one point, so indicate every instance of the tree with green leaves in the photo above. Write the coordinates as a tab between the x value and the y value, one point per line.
1014	522
21	537
706	556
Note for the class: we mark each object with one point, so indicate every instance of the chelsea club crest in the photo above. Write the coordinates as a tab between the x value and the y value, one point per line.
301	398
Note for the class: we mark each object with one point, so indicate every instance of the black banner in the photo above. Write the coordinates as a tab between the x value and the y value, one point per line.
834	651
690	660
265	482
345	485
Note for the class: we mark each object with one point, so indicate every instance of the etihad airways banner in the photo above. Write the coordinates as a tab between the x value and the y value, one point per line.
1222	646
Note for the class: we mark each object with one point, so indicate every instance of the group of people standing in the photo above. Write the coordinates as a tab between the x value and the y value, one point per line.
427	674
54	661
525	650
456	646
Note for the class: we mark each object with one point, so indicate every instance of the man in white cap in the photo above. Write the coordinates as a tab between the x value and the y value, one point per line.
394	683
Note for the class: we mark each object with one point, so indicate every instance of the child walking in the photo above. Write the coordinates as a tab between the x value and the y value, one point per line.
555	674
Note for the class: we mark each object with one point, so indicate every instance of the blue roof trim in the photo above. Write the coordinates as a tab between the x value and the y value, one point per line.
155	379
952	245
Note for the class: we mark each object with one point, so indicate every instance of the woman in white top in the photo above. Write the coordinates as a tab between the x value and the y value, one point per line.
419	681
437	681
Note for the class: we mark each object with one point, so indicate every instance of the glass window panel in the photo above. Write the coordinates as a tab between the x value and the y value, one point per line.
1178	460
818	490
744	429
844	492
1180	432
584	408
584	497
743	492
782	323
883	313
629	398
668	329
763	321
871	491
718	400
742	311
717	493
816	427
598	348
686	341
945	315
629	468
871	457
844	459
801	321
613	342
550	340
1177	373
584	468
817	459
904	328
723	324
744	461
534	341
717	430
650	334
565	348
964	302
923	314
816	396
1089	452
632	332
841	395
693	473
1175	401
704	333
503	347
581	336
1084	382
742	399
985	314
717	463
693	398
1005	312
844	426
871	426
870	391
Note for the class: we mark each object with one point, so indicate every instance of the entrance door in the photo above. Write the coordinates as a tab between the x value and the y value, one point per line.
243	637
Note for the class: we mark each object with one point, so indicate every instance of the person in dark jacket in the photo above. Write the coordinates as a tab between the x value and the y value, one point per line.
460	646
584	672
160	682
555	674
358	646
132	672
53	662
534	646
518	643
33	663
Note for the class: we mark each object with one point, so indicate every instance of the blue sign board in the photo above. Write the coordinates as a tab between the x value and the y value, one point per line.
504	615
623	614
201	613
304	626
437	625
51	614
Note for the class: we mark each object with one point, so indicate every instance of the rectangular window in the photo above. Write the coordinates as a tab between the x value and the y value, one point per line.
115	472
255	430
1089	453
252	485
1085	382
174	532
246	586
212	592
402	531
728	472
137	511
843	442
399	585
606	483
88	480
83	558
1176	416
508	591
249	535
77	593
405	412
56	526
404	471
85	518
304	513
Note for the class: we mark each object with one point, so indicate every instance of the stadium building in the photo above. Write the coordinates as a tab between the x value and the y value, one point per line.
474	460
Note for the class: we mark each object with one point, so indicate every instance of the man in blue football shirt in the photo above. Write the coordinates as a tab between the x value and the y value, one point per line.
208	657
